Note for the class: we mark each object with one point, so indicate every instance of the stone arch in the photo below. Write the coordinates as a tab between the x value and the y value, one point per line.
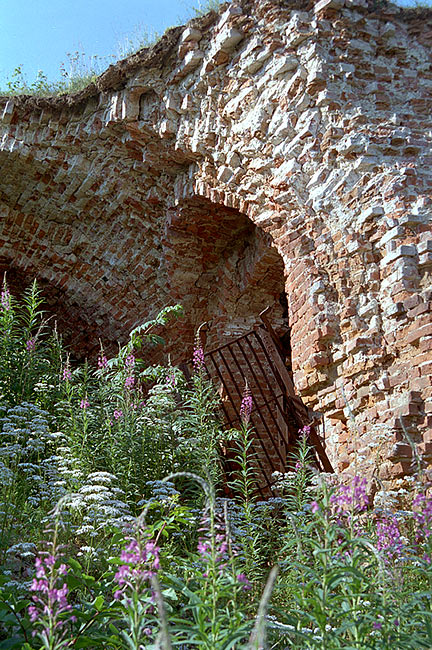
62	309
223	269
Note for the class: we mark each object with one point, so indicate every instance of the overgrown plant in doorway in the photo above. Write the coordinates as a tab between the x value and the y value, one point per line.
244	487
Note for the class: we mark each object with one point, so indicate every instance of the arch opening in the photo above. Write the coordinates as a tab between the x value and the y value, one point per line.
224	270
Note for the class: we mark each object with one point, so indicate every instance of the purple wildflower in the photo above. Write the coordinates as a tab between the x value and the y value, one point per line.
246	405
67	375
84	403
206	551
31	345
50	599
422	506
242	578
314	506
102	362
129	382
389	538
118	413
350	499
129	365
5	299
140	563
130	361
198	358
204	547
377	625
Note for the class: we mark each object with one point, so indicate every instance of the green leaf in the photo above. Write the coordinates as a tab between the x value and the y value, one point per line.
14	642
84	642
89	580
21	604
170	594
75	565
6	616
99	603
73	582
114	630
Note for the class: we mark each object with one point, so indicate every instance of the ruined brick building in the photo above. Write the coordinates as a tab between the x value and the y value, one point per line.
275	154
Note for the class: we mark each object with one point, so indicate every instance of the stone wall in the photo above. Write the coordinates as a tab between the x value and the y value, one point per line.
278	145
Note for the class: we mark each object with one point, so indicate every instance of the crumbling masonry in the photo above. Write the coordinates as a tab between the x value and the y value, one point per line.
279	154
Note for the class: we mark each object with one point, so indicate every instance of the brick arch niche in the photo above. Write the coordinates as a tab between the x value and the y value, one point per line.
65	311
224	270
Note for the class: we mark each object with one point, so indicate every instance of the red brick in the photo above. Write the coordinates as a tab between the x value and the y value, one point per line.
424	330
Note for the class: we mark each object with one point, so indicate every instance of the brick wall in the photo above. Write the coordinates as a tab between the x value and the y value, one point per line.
278	144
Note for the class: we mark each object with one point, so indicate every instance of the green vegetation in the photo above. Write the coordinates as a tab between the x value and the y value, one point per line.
115	531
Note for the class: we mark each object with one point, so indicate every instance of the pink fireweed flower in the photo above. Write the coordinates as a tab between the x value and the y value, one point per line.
204	547
102	362
130	361
389	538
305	431
242	578
246	405
220	551
352	498
422	507
314	506
198	358
129	382
5	299
49	599
140	561
377	625
118	413
67	375
31	345
84	403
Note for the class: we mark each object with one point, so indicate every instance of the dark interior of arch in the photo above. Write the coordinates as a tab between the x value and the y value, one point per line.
224	271
212	259
79	331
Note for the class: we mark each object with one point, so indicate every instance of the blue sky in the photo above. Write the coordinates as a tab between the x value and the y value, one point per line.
38	34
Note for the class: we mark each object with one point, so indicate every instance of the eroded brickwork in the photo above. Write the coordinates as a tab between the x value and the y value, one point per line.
278	145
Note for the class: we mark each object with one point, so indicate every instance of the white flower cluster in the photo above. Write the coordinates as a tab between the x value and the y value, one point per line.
26	455
19	566
98	505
